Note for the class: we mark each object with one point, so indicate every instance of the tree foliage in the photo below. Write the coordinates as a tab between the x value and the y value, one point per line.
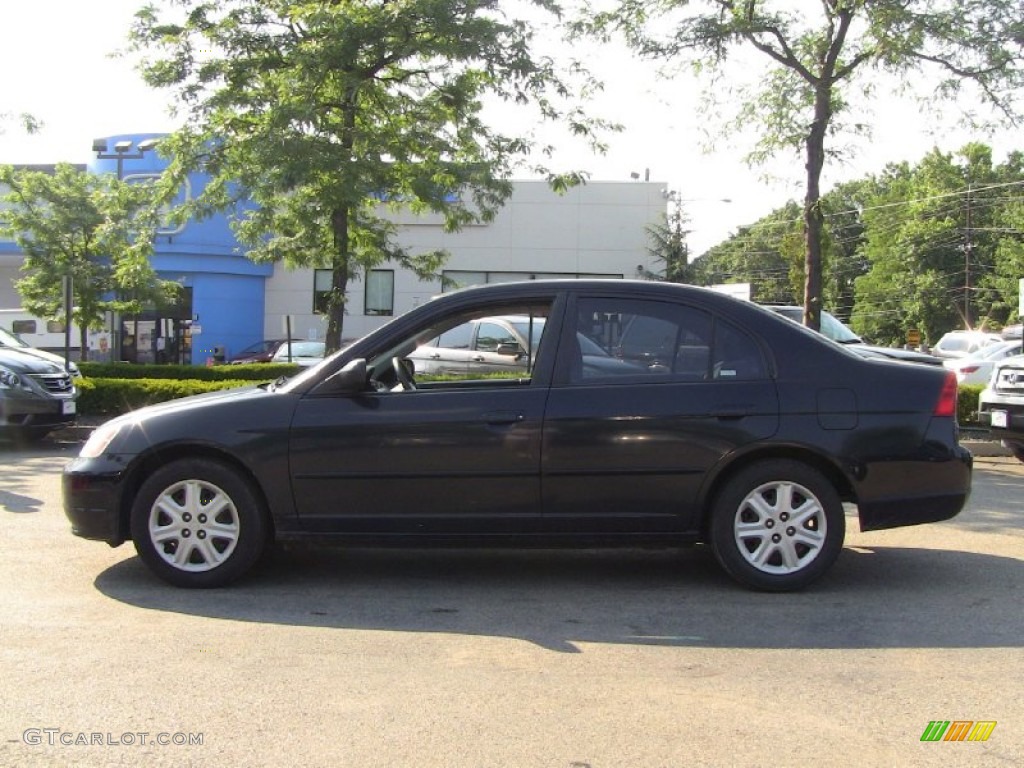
763	254
94	228
938	238
325	114
668	245
823	58
28	123
934	246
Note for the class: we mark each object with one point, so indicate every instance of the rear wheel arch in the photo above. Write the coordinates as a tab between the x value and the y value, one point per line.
718	481
776	524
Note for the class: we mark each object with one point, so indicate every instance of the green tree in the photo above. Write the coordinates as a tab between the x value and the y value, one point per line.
932	239
94	228
668	245
822	56
763	254
326	114
27	122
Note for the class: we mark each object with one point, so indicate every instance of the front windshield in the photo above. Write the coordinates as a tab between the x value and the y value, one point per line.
835	330
8	339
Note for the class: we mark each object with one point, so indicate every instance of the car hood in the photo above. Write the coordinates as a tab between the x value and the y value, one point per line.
27	362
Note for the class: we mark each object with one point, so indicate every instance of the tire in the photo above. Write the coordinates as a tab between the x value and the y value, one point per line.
1017	449
198	523
777	526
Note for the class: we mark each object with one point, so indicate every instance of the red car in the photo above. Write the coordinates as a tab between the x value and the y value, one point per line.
261	352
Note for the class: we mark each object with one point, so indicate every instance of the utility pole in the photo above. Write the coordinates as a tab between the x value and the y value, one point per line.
967	263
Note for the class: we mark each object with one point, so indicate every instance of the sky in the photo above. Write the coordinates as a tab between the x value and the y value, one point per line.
57	65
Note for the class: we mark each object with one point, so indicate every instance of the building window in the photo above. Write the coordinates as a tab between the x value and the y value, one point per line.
322	279
380	292
19	327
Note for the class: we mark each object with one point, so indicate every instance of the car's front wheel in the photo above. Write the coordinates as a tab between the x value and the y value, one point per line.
198	523
777	525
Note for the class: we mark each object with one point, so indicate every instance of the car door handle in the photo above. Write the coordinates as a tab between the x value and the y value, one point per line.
503	417
477	358
732	411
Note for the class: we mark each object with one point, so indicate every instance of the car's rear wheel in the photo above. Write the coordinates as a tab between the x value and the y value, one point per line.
198	523
777	525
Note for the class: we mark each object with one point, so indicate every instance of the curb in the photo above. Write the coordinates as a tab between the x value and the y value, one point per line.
985	448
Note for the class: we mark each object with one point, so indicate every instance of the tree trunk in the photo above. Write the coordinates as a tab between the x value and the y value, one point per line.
83	343
339	279
813	219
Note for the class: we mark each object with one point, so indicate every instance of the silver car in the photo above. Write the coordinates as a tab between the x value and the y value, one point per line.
36	396
504	344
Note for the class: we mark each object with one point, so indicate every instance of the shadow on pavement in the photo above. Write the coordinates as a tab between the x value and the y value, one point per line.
878	598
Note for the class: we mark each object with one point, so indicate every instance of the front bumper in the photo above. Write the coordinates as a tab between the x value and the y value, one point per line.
1004	414
93	500
18	411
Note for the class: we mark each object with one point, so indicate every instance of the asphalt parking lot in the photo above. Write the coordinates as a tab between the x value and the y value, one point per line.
494	658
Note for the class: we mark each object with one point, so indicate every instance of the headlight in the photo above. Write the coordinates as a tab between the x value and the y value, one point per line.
11	380
100	440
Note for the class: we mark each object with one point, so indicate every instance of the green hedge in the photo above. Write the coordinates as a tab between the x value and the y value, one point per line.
967	404
253	372
110	397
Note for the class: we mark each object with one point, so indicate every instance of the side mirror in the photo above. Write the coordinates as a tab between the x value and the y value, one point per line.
509	348
349	380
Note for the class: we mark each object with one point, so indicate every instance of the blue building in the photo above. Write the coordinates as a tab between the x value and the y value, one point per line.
221	305
228	302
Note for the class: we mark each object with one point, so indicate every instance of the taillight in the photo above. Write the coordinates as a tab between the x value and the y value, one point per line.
946	406
969	368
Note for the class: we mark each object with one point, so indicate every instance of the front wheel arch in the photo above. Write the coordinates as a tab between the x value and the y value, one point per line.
198	522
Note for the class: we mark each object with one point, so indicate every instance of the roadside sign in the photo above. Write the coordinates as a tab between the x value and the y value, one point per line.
913	337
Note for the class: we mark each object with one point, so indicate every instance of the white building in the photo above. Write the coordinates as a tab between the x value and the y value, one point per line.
595	230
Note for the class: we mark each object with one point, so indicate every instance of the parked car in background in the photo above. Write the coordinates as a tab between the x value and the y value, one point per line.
496	345
304	353
963	343
1001	404
260	352
37	396
750	436
834	328
976	368
10	340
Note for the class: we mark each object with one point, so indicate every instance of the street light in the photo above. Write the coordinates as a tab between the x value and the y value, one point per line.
122	151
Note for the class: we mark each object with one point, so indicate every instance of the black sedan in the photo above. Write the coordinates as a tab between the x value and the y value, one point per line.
748	434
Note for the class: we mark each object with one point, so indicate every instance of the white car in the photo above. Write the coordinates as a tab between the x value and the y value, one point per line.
963	343
977	368
304	353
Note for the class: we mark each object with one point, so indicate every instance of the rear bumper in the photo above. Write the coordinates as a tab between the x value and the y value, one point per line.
944	488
